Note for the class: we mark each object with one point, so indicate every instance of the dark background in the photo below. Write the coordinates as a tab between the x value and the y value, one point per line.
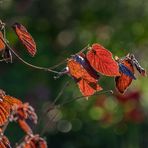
60	29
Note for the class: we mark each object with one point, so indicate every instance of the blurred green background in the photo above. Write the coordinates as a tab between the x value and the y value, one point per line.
60	29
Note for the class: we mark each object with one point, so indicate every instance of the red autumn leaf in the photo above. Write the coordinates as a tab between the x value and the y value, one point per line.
4	112
24	126
11	100
25	38
19	112
2	45
4	142
123	81
101	60
86	82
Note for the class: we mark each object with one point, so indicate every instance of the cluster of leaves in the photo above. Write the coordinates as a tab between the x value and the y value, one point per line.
14	110
85	69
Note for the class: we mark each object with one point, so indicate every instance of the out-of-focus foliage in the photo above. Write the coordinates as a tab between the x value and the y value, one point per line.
61	28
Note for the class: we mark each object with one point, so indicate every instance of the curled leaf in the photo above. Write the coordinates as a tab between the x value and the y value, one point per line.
2	45
126	68
86	82
135	62
25	37
4	112
24	126
123	81
126	71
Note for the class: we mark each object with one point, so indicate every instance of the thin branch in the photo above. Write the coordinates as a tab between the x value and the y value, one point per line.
67	102
61	92
59	64
58	96
64	61
85	48
28	64
80	97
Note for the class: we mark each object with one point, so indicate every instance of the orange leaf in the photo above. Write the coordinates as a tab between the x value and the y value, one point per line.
101	60
4	112
25	38
123	81
2	45
25	127
86	82
11	100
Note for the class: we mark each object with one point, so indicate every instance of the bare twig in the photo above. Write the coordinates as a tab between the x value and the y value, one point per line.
58	97
28	64
85	48
64	61
80	97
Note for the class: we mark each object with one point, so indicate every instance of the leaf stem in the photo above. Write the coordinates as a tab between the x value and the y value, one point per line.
64	61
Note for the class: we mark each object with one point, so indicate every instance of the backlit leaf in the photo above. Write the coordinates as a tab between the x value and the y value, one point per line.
86	82
2	45
101	60
25	38
123	81
4	112
24	126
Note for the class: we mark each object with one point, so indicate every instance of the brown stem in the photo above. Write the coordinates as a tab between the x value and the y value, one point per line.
52	107
28	64
64	61
60	93
59	64
57	97
85	48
